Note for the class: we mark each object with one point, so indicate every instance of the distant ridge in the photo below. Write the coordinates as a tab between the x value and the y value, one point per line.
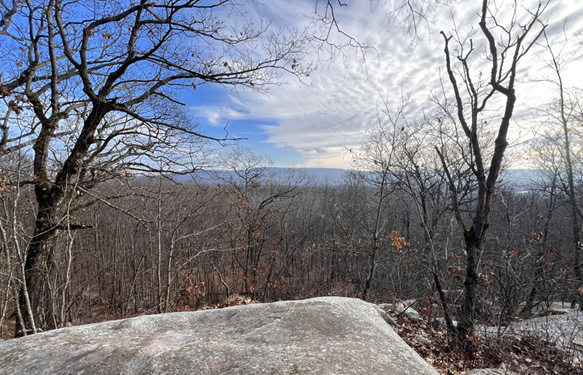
313	176
522	180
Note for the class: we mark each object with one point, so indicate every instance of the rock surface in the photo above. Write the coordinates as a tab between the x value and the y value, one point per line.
327	335
490	371
405	308
565	330
408	310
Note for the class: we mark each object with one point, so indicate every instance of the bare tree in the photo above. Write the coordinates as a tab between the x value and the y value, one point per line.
505	47
564	115
398	157
377	159
90	86
254	192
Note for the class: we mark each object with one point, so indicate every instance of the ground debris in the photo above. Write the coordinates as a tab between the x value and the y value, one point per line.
509	354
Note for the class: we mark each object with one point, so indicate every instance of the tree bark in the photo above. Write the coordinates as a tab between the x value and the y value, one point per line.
32	298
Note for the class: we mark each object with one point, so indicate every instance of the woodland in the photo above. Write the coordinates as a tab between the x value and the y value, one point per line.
104	214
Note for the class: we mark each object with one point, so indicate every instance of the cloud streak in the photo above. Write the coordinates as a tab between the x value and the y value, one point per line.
333	114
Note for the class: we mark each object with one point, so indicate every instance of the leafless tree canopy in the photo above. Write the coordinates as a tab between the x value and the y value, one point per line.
91	86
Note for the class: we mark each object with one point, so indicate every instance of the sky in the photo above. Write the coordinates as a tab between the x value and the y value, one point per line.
315	122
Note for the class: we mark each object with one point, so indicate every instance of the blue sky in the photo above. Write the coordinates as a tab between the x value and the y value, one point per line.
313	123
219	114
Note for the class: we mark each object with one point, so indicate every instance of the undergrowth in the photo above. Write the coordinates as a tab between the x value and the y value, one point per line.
510	354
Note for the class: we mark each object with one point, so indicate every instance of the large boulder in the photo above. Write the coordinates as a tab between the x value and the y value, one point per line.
327	335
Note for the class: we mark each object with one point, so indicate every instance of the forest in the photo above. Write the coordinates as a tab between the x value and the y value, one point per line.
164	245
114	204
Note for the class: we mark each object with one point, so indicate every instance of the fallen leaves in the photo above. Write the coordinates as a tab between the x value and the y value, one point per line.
521	355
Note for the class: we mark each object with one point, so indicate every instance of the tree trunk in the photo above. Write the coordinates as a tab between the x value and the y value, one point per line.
372	269
468	311
31	297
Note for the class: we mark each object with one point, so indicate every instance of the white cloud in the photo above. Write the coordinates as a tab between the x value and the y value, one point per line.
336	110
217	115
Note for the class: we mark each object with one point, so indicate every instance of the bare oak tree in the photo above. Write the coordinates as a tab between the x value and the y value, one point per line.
91	87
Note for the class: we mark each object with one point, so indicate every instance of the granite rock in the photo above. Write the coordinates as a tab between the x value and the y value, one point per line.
326	335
